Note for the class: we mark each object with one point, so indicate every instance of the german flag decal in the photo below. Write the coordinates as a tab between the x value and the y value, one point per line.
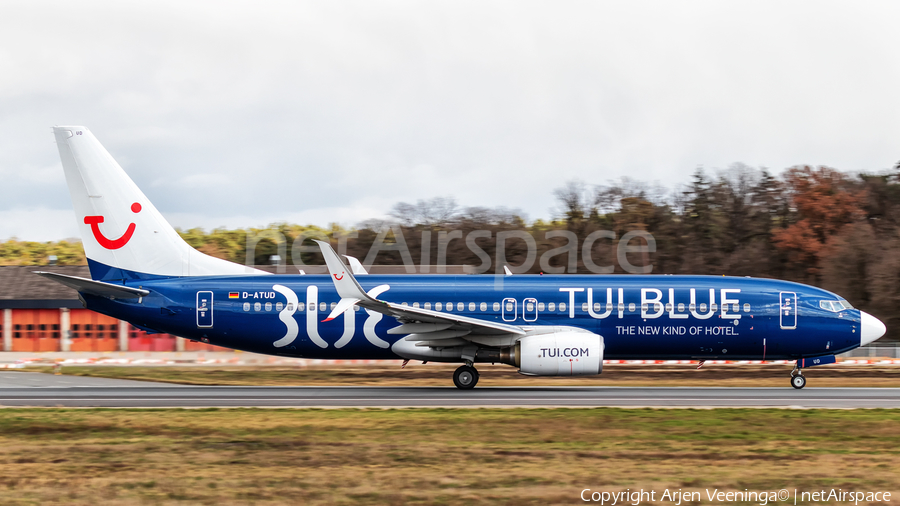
234	295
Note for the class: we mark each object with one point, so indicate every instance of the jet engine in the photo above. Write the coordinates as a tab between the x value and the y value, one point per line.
559	351
560	354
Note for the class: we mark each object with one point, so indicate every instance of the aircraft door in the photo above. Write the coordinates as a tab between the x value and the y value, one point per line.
509	309
788	310
530	309
204	309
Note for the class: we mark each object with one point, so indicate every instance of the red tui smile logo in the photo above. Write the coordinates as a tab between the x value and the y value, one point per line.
95	221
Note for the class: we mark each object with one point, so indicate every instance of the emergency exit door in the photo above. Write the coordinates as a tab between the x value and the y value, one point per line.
788	310
204	309
509	310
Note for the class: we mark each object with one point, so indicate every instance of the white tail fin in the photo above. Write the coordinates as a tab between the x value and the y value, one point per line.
124	236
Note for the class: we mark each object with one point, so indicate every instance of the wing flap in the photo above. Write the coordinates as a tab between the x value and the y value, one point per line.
438	336
457	321
415	328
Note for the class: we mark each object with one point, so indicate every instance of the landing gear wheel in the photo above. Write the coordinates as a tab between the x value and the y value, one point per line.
465	377
798	381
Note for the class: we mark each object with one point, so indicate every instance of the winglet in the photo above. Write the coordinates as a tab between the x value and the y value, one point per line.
342	306
346	285
356	266
507	271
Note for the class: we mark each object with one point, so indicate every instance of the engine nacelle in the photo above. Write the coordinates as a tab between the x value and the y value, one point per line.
560	354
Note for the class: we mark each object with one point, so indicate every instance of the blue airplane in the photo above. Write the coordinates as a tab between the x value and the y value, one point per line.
144	273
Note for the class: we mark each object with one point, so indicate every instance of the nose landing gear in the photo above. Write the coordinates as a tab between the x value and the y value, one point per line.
465	377
798	381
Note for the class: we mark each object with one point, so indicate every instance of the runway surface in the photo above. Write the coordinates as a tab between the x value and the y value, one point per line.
35	379
44	390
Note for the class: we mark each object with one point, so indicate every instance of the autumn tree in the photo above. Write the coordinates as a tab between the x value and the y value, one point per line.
823	200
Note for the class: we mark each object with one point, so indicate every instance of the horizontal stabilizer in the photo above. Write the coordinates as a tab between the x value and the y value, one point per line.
92	287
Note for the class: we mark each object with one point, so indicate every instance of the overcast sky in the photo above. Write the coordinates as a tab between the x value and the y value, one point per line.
242	114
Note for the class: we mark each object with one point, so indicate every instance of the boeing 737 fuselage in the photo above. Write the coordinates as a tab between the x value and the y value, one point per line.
544	325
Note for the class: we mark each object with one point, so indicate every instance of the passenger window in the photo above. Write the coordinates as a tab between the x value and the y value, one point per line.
562	306
509	307
496	306
427	305
449	306
714	307
551	306
301	306
621	306
333	305
540	306
529	306
703	308
584	306
246	307
322	306
680	308
404	304
631	307
644	307
735	308
460	306
609	306
438	306
416	305
268	306
257	307
279	306
483	306
471	307
746	307
669	307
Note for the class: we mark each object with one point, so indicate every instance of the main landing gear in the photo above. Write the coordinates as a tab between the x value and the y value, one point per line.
798	381
465	377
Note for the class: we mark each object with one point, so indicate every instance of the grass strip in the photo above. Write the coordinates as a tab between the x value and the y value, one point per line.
432	456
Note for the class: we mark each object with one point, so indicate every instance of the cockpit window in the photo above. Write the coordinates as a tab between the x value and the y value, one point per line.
835	305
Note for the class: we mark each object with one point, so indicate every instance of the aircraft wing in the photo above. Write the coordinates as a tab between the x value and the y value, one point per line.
92	287
415	320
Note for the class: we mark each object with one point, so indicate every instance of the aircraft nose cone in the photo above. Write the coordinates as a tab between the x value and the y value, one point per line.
871	328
